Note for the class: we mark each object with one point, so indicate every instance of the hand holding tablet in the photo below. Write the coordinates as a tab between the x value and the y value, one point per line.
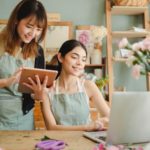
32	72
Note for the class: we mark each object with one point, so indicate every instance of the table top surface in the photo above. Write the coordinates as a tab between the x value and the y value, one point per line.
26	140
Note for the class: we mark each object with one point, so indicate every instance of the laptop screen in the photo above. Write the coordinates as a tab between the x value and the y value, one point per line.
129	118
129	121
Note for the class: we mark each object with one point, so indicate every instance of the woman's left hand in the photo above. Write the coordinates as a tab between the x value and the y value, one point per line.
100	124
40	90
104	121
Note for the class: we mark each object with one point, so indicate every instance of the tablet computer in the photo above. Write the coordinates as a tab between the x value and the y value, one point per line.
31	72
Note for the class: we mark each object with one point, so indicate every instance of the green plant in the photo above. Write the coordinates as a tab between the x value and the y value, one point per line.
101	83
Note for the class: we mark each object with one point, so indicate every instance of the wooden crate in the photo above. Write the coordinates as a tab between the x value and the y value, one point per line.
38	117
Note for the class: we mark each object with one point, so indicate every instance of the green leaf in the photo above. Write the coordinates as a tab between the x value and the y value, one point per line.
45	138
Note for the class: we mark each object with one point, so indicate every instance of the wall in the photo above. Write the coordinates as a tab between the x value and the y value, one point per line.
86	12
79	11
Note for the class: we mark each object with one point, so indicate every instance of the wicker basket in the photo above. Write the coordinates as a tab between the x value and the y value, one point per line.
131	2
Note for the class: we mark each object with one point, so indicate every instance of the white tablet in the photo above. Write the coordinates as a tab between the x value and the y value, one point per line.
31	72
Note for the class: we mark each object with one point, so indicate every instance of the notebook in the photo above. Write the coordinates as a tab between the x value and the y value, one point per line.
129	121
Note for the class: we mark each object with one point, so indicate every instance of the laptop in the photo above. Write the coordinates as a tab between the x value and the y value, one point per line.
129	121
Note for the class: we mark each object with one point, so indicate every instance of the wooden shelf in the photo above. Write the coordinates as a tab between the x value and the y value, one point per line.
95	66
127	10
129	34
120	11
119	59
87	66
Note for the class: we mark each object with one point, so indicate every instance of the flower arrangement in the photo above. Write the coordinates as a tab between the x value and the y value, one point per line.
139	56
93	36
98	33
117	147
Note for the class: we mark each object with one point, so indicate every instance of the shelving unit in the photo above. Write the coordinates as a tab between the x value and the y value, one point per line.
82	29
129	34
121	10
95	65
98	66
90	66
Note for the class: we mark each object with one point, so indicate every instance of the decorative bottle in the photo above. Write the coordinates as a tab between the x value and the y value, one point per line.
96	59
96	55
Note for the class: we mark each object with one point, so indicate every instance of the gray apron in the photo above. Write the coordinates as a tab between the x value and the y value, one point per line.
11	115
71	109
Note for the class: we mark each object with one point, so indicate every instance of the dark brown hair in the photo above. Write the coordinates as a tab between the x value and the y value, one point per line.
24	9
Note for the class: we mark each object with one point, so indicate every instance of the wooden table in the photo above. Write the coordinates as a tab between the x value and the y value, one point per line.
26	140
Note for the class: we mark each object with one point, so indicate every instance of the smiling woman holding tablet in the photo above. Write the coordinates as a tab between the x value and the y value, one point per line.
19	47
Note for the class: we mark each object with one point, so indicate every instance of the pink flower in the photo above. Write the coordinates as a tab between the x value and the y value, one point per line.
101	147
84	37
136	71
112	148
142	45
95	148
140	148
137	46
129	61
123	43
146	43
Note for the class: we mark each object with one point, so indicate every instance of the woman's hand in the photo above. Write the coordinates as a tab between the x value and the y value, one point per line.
95	126
40	90
99	124
14	78
105	121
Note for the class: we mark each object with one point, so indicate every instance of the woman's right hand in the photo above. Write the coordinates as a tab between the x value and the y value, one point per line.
39	89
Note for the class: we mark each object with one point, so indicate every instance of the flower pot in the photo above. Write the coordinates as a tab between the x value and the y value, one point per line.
148	81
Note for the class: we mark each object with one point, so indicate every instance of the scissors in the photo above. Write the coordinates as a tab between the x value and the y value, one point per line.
50	145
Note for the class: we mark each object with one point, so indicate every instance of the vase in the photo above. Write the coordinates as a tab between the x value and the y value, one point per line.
96	59
148	81
96	55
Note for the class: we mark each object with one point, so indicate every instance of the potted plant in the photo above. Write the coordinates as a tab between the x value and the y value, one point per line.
101	83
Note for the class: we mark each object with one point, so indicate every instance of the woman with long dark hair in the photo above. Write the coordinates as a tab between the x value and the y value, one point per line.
65	105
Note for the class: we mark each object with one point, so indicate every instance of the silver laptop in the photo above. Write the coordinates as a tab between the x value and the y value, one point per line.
129	120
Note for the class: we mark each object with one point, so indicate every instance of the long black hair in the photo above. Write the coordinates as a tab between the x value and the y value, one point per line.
66	47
